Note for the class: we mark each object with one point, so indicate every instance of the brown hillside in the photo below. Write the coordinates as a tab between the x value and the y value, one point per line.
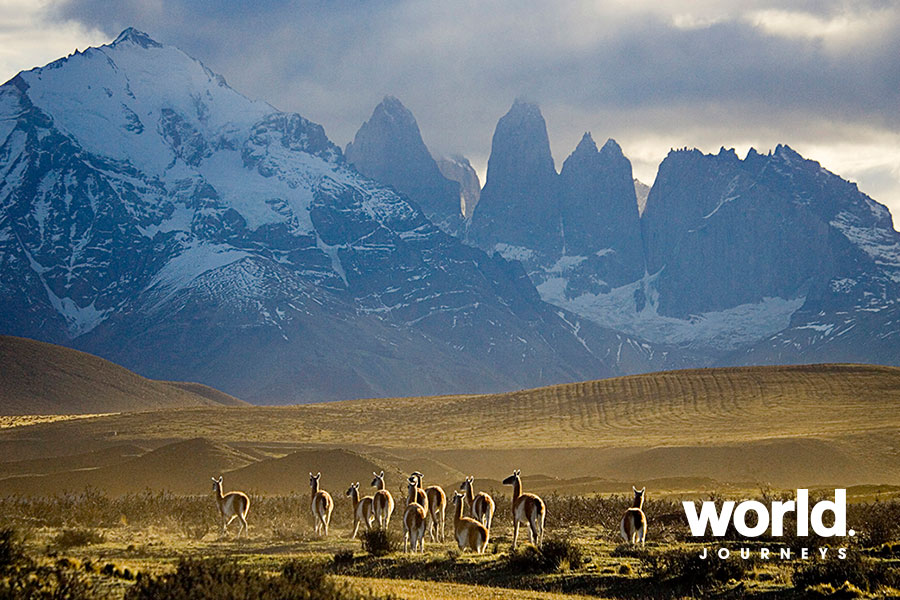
290	474
183	467
37	378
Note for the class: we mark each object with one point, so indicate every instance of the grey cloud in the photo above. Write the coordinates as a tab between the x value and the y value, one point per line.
458	67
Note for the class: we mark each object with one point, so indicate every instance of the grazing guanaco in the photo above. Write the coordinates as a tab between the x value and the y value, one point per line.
528	509
469	532
413	519
382	501
321	504
362	509
633	526
481	504
233	505
437	509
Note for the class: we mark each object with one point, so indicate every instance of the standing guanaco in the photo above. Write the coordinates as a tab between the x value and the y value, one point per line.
321	505
437	509
481	504
382	501
528	509
362	509
233	505
633	526
413	519
469	533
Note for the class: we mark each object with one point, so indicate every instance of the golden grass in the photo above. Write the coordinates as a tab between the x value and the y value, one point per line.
413	589
8	422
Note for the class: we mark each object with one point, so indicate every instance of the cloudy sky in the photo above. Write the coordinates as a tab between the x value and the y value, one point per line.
820	75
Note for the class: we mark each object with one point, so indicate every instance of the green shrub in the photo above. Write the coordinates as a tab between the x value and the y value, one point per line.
378	542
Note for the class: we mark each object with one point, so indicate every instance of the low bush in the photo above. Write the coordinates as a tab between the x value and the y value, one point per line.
553	555
221	579
378	542
865	573
684	568
22	579
72	538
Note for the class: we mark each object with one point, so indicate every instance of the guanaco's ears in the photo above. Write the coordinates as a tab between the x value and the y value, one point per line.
516	472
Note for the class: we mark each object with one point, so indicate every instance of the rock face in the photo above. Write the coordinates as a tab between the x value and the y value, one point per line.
389	148
518	214
736	260
152	215
457	168
641	190
600	220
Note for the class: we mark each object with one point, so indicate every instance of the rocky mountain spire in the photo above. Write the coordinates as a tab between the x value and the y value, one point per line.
389	148
519	206
599	211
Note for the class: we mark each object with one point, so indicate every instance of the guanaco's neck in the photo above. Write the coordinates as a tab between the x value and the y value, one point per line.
457	511
413	495
470	493
517	489
314	485
354	498
638	502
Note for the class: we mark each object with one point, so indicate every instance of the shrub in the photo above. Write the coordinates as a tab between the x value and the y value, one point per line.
70	538
12	550
22	579
554	555
343	558
220	579
864	573
682	567
378	542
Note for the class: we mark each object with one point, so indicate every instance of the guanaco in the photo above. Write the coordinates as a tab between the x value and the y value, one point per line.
362	509
528	509
382	501
321	504
437	509
469	533
481	504
633	526
233	505
413	519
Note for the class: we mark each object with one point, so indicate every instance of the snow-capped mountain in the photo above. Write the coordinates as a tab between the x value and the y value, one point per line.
769	259
154	216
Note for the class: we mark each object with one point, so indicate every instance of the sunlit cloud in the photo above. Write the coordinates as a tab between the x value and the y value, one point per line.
28	38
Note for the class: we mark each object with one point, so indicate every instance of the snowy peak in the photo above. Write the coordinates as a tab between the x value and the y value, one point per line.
134	36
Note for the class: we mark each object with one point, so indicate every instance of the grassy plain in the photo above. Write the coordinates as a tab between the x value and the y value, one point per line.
714	433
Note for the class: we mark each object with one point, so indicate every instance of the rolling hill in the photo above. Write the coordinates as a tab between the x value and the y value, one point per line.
41	378
784	426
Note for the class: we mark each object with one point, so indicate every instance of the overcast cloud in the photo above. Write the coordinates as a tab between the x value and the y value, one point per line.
822	76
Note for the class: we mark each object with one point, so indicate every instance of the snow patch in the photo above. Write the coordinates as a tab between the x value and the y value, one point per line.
510	252
724	330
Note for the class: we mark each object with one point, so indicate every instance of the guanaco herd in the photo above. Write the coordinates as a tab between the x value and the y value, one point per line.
426	512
